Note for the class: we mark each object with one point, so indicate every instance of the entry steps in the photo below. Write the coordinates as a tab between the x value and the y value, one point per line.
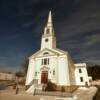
52	93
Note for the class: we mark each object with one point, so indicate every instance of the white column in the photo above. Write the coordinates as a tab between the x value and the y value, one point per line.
30	72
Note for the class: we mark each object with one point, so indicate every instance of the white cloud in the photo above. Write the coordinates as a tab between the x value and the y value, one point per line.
92	39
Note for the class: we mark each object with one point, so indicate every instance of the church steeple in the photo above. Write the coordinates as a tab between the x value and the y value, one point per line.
48	38
49	23
49	27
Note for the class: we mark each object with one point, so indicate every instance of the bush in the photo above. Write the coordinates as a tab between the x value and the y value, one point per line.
50	87
62	89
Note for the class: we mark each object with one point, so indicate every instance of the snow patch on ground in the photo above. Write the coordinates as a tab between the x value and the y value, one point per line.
84	93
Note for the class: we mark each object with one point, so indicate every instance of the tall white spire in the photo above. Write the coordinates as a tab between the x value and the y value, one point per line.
48	30
48	37
49	23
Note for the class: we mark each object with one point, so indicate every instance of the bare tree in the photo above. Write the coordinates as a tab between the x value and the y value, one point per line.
25	67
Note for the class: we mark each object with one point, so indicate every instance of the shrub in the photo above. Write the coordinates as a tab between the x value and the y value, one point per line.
62	89
50	87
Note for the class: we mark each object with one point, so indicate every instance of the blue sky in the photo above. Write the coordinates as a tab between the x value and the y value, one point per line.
76	24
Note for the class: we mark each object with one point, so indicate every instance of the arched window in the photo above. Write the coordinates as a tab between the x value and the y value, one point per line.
45	53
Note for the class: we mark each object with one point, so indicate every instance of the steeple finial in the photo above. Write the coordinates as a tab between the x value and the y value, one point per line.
49	20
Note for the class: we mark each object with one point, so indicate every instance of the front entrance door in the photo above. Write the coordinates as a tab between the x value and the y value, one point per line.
44	77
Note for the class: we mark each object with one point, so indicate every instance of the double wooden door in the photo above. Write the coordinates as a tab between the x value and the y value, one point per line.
44	77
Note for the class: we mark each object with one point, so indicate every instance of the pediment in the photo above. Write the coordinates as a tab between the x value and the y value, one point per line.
45	52
44	68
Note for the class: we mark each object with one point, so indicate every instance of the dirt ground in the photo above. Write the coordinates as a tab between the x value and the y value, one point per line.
81	94
10	95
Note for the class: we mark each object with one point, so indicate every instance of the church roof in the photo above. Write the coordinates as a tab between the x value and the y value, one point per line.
80	65
62	51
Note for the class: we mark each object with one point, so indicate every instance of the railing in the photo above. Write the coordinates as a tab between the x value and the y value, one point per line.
53	93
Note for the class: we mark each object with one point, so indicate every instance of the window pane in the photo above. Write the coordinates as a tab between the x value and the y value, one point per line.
81	79
42	62
80	71
48	61
53	72
48	31
45	61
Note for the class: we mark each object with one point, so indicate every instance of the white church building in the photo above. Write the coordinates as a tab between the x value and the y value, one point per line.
53	64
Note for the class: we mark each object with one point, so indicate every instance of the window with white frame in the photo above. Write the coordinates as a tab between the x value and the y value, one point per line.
53	72
80	70
45	61
81	79
35	73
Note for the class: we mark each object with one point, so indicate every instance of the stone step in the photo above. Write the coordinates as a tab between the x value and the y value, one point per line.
52	93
